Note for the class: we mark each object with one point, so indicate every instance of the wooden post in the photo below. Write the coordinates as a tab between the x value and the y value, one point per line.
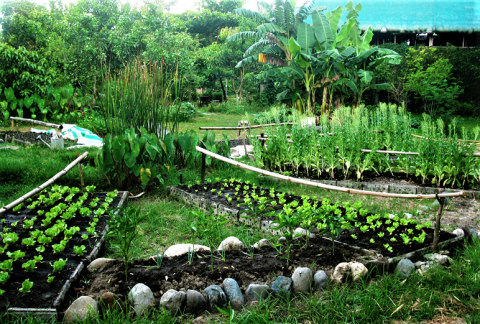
202	169
12	126
436	233
17	126
81	173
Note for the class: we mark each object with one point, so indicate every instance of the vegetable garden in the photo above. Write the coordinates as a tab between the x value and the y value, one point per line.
353	144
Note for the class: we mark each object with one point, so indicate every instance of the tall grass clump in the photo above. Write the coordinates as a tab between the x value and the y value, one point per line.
141	95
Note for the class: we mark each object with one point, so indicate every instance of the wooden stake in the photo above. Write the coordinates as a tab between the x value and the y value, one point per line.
202	170
81	173
321	185
12	125
43	186
436	233
34	122
17	127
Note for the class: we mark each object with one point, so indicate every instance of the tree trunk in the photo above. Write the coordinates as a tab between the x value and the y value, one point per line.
223	90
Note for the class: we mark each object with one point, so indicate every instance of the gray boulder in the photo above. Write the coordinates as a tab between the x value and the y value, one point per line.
404	268
173	300
282	285
215	297
320	280
196	303
141	297
81	309
234	294
256	292
302	279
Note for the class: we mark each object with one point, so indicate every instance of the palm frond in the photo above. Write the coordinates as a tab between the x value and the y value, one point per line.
245	35
256	47
251	14
247	60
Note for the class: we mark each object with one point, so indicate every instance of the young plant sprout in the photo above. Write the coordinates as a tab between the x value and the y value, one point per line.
4	277
58	265
16	255
26	286
79	250
50	279
29	266
6	265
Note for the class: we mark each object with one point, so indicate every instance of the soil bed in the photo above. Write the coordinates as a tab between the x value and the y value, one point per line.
43	294
176	273
396	244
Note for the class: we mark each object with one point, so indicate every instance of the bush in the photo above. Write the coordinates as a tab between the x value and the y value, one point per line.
217	96
275	115
185	111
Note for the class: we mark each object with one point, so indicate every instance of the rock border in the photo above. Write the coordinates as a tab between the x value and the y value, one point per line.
52	313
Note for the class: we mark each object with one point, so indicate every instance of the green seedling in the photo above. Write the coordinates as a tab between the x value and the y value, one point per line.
4	277
90	189
26	286
58	265
38	258
18	207
58	248
28	241
50	279
85	236
10	238
29	266
79	250
16	255
6	265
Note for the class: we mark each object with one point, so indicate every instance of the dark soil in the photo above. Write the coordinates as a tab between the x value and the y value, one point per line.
43	294
363	239
176	273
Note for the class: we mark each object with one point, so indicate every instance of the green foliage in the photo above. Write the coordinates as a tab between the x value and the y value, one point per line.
433	84
274	115
123	228
140	97
444	157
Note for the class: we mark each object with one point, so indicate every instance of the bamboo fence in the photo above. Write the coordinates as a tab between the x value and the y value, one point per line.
36	122
324	186
44	185
242	127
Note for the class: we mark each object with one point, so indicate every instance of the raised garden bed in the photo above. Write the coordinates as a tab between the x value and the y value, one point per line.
406	235
55	225
246	267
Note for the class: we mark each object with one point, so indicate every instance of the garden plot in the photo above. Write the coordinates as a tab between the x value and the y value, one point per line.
45	241
386	234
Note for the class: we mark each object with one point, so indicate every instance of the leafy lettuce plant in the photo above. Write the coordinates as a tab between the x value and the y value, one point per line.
26	286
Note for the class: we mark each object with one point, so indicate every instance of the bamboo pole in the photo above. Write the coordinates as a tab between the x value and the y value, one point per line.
34	121
460	140
321	185
44	185
242	127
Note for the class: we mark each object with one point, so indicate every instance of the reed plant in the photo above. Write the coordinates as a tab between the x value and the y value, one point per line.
445	154
141	95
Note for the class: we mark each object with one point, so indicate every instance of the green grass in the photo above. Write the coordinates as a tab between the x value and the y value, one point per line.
24	169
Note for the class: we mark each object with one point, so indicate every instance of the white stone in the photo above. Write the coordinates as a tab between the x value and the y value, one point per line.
239	151
458	232
81	309
262	243
302	279
358	270
301	232
141	297
181	249
438	258
355	269
407	215
230	244
98	263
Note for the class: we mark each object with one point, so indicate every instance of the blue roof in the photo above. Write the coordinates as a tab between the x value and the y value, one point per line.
415	15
